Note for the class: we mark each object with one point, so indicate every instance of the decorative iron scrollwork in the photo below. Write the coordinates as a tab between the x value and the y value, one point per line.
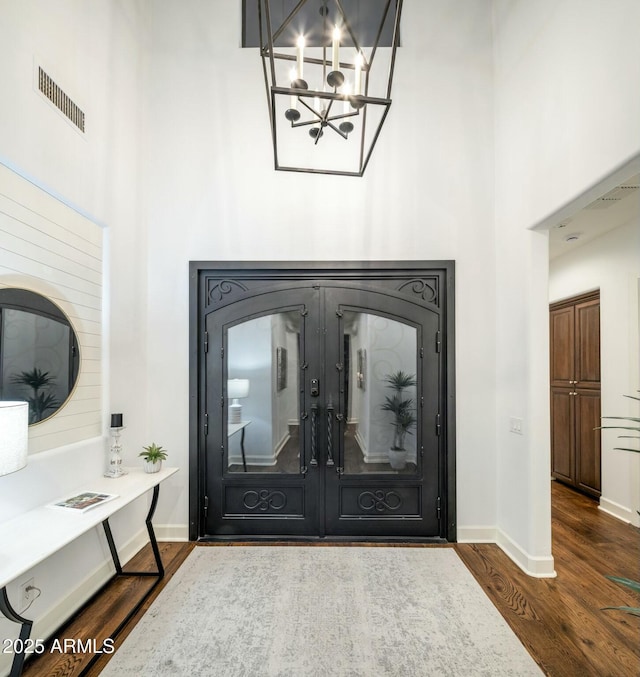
379	500
264	499
218	289
426	289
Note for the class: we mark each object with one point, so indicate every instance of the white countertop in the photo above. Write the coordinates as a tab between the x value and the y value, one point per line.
33	536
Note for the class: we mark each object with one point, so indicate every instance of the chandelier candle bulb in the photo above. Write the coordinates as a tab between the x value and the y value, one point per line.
335	61
346	106
358	76
294	98
300	56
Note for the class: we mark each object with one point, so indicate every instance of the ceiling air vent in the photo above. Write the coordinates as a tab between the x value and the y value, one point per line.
616	194
60	100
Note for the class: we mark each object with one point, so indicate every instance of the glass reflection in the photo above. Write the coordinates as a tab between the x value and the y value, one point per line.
380	358
263	394
38	353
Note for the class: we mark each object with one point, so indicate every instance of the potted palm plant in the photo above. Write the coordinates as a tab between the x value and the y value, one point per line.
634	426
404	417
153	456
40	400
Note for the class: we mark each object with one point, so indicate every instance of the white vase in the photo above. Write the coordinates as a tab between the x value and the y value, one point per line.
398	458
152	466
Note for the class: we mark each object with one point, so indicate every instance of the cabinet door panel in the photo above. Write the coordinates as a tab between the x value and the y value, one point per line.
587	327
587	407
562	337
562	434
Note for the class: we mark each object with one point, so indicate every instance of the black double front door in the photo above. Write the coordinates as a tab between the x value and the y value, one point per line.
322	406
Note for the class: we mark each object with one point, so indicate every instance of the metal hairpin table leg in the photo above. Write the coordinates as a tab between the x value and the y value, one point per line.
152	537
158	575
25	631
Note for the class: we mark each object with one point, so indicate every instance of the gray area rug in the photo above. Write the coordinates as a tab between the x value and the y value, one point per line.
344	611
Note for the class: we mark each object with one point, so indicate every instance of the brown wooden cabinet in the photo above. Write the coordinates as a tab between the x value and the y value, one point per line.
575	392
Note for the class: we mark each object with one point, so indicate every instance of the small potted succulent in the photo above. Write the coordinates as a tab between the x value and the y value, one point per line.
153	456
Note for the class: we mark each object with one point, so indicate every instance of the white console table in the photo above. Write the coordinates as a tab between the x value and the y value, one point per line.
36	535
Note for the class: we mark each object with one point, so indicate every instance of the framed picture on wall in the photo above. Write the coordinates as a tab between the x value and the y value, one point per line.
281	368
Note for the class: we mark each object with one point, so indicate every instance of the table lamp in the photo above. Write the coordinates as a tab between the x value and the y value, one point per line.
237	389
14	436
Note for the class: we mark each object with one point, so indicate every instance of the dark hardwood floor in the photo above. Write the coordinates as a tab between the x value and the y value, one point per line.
559	620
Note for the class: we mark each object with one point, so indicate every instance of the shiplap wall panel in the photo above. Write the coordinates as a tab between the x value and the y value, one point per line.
32	227
25	193
51	249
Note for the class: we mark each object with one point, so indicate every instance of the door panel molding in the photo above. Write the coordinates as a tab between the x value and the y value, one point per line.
277	505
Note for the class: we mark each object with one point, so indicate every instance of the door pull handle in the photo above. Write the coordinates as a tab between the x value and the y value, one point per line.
330	462
314	435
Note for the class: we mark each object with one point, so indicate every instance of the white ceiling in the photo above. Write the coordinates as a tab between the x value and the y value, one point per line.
613	209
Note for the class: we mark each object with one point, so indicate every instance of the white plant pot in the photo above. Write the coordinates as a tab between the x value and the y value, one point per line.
150	466
398	458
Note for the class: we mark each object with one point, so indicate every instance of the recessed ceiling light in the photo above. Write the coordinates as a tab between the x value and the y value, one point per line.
572	238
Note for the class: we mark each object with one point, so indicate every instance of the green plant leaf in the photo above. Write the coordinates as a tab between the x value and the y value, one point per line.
400	380
36	378
627	582
633	610
153	453
623	418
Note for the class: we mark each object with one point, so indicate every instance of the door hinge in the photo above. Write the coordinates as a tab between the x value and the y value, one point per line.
206	424
206	505
421	352
206	342
438	426
438	510
438	342
222	353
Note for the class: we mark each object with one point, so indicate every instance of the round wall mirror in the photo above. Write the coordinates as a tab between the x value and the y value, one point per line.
39	355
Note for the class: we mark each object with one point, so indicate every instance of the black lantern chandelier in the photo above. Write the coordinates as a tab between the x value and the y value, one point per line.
327	101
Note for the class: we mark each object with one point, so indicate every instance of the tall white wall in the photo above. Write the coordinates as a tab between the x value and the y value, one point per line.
565	117
427	194
93	52
611	263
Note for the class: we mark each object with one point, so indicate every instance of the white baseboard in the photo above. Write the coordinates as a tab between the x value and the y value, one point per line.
253	459
360	442
537	567
620	511
171	532
476	534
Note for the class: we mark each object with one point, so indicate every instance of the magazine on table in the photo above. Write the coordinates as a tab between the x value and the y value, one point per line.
84	501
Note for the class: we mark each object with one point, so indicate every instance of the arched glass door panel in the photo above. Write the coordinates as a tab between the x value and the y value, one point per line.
380	379
263	394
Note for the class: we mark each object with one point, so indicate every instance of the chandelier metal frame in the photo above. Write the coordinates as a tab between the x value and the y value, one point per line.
321	104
